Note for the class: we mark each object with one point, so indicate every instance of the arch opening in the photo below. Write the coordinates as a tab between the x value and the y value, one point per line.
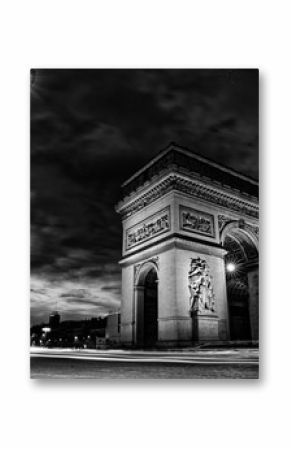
150	309
241	261
147	307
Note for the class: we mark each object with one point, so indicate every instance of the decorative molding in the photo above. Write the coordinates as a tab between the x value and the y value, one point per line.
223	220
255	230
200	287
197	222
192	188
151	227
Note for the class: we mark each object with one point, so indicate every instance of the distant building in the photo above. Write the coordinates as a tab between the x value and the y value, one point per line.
113	329
72	333
54	320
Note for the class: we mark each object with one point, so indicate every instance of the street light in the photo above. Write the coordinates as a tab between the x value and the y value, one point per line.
231	267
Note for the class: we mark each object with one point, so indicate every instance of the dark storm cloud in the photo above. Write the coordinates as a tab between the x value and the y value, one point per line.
91	129
111	288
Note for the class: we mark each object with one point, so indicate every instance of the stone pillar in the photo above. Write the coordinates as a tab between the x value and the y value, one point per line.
253	282
204	327
222	309
139	315
128	307
168	313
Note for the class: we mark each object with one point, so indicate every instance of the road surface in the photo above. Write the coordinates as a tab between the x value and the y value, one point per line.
122	364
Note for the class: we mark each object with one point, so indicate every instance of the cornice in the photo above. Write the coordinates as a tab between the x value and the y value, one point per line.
195	188
175	156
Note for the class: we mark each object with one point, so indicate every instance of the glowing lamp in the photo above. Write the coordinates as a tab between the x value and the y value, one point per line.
231	267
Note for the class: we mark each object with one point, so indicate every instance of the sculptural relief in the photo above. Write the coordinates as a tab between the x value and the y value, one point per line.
200	287
195	221
149	228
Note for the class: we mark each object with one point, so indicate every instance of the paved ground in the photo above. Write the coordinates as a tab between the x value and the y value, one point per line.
120	364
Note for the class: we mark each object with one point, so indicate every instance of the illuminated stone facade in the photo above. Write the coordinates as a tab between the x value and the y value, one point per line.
181	213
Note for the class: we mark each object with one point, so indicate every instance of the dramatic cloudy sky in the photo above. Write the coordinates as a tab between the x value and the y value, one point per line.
90	130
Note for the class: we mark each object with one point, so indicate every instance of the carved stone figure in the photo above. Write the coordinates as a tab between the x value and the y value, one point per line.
200	287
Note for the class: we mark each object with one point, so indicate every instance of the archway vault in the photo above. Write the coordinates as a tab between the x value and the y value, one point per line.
242	255
244	236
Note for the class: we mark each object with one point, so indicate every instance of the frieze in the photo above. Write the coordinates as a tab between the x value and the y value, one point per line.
193	189
196	221
147	229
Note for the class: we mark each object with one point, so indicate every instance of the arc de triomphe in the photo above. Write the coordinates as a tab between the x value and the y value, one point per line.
190	252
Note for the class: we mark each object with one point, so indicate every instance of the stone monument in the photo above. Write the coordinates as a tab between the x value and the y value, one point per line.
182	215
